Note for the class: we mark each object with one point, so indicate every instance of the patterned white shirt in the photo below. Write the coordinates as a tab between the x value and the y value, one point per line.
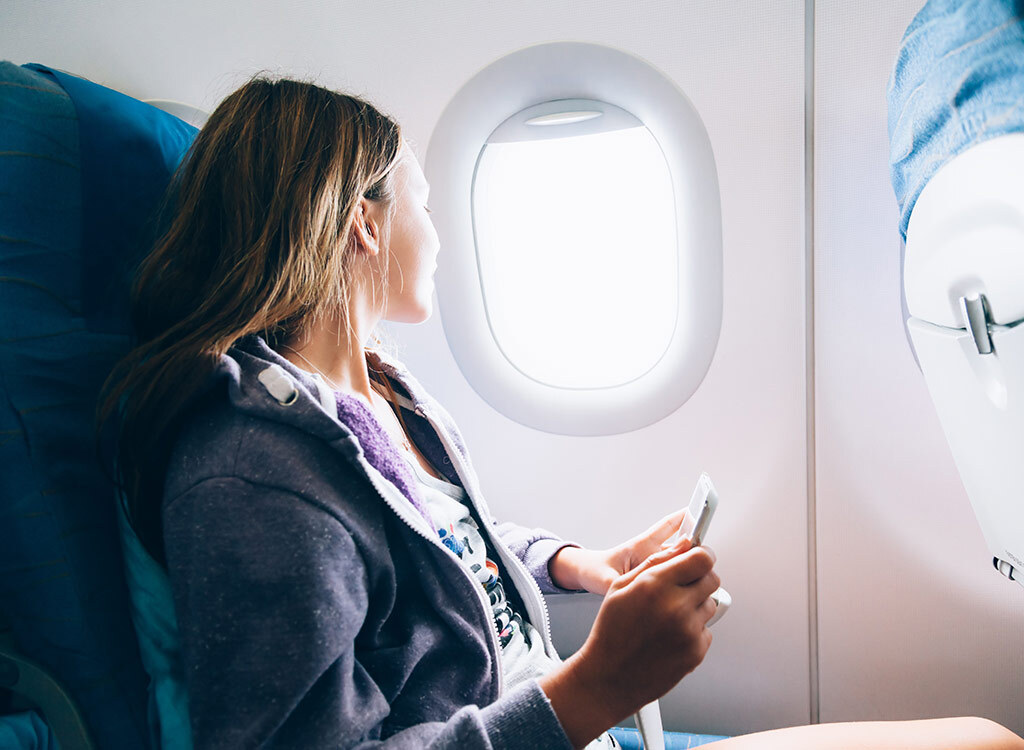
522	646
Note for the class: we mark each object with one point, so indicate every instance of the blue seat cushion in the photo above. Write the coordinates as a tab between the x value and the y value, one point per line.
26	731
630	739
156	625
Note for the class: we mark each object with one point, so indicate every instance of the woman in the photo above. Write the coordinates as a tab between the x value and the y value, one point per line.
337	576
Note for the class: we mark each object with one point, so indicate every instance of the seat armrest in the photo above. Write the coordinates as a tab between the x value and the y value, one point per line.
33	683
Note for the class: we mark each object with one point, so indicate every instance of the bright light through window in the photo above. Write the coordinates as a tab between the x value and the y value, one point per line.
577	250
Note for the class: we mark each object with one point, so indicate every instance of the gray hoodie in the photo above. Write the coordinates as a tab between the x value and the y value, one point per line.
317	606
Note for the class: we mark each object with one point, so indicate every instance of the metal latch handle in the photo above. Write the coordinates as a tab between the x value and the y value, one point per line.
975	310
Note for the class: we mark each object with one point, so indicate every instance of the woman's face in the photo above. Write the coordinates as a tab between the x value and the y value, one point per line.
413	246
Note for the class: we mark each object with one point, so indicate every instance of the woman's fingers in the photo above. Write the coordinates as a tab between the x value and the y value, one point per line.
680	565
667	526
693	567
651	539
706	586
652	560
707	609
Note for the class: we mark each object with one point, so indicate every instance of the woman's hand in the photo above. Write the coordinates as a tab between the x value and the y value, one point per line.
650	632
594	570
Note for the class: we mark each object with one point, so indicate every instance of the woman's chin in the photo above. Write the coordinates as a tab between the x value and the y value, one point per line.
426	306
424	317
412	314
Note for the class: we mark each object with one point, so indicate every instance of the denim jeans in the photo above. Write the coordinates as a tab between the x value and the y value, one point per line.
958	81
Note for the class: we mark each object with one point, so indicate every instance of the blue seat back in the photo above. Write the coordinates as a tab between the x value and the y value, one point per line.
82	171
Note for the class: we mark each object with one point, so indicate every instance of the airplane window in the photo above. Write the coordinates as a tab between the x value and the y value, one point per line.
576	244
575	195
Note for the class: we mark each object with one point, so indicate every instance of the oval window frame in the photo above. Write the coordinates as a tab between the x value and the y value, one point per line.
549	73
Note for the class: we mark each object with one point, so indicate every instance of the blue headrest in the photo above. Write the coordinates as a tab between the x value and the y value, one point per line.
83	169
128	152
958	81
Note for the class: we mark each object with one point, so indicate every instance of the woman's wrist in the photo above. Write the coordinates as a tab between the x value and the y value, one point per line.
564	567
581	707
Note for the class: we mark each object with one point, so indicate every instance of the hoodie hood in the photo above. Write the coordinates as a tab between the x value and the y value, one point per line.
263	383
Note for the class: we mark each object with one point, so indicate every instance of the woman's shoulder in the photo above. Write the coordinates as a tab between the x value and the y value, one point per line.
215	440
230	463
207	437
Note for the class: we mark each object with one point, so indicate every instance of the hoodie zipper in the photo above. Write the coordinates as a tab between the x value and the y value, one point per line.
513	564
436	541
327	401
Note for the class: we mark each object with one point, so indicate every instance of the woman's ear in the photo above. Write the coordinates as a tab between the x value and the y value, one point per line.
365	232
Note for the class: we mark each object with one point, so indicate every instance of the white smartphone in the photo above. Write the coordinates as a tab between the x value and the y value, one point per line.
696	521
699	513
695	525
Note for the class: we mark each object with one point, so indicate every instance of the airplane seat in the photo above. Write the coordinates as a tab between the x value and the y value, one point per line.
964	280
956	127
82	170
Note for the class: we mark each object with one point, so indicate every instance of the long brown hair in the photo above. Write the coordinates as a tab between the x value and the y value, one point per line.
259	240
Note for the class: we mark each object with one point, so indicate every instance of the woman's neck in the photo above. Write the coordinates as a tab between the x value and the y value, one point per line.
342	365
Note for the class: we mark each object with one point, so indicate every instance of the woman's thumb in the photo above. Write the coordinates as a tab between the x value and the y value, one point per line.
667	553
673	542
